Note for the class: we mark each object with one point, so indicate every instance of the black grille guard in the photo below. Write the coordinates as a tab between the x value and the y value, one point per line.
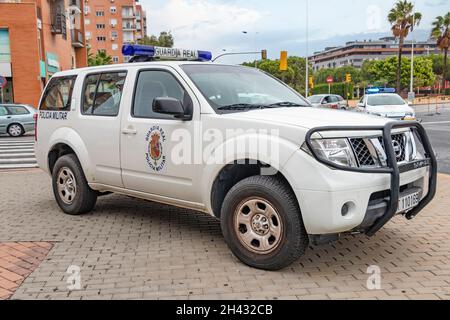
392	166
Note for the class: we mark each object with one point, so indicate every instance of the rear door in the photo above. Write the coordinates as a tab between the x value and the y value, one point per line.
98	123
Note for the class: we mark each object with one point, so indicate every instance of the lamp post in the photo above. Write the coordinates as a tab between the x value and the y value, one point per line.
307	50
254	44
411	83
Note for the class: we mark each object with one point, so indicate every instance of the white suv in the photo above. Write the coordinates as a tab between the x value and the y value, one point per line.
235	143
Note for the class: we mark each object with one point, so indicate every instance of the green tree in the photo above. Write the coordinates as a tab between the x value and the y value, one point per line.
384	72
441	34
438	65
99	59
403	20
165	39
338	74
294	76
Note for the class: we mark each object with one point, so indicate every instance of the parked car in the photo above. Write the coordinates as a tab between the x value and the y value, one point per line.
332	101
387	105
16	119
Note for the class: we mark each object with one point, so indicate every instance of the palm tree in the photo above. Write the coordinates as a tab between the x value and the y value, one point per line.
100	59
441	34
403	20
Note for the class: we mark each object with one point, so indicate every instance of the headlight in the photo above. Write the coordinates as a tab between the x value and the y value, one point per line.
338	151
410	115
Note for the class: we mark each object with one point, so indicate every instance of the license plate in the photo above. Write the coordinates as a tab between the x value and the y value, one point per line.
408	202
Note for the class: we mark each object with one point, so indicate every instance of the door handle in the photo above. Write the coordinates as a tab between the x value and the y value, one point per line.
129	131
8	117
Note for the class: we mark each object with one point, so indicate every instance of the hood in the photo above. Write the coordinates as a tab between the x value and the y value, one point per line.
390	111
308	117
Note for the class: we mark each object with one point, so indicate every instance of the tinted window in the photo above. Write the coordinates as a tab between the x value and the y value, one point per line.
3	111
334	99
58	94
156	84
18	110
102	93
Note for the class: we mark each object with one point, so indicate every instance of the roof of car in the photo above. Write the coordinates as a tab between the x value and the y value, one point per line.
136	64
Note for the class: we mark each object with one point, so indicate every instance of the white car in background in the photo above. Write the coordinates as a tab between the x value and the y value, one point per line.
332	101
387	105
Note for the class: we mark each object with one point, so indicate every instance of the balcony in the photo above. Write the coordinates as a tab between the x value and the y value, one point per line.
75	6
129	27
77	38
58	25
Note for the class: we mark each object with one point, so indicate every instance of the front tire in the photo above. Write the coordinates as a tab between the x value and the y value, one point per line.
70	187
262	223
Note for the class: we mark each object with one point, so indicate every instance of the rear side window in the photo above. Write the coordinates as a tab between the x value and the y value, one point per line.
58	94
3	111
102	93
18	110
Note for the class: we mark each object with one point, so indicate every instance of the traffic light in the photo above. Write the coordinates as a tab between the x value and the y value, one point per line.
264	54
311	82
348	78
283	61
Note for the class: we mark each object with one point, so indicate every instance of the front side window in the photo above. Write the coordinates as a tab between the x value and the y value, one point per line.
233	88
18	110
154	84
102	94
58	94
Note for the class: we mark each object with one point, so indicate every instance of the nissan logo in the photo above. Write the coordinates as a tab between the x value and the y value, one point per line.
397	148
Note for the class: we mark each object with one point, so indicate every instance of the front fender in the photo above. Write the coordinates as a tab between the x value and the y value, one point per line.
228	152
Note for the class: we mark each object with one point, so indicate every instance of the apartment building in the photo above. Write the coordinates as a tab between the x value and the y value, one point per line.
354	53
37	39
111	23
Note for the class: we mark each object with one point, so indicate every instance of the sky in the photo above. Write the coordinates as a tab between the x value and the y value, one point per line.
275	25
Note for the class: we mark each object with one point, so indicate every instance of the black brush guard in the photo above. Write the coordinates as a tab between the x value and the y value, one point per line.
392	167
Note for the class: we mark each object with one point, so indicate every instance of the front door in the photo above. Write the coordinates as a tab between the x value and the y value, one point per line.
5	119
157	149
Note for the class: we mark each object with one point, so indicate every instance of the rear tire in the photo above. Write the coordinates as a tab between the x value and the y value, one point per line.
70	187
15	130
262	223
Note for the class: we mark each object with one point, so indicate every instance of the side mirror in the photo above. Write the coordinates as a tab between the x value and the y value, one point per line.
361	105
169	106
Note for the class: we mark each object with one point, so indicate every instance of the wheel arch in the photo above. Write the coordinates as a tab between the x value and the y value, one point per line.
234	172
67	141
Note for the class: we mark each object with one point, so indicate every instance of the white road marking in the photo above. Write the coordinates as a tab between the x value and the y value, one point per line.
437	122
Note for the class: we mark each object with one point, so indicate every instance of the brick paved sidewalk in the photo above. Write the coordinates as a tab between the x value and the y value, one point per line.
17	261
134	249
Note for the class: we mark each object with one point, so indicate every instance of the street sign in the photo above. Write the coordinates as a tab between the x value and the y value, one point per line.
330	79
3	81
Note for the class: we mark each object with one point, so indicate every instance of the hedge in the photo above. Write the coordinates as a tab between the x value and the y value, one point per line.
336	88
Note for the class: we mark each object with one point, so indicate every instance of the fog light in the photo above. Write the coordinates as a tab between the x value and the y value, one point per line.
345	209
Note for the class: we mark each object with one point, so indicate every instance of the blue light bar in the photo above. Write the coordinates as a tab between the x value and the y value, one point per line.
137	50
376	90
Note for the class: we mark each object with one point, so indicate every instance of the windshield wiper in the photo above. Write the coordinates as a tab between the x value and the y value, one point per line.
287	104
244	106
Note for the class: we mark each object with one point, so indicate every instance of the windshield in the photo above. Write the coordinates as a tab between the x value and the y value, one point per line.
236	88
315	99
385	100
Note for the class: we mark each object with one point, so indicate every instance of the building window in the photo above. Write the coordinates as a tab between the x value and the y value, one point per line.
114	46
101	39
113	22
115	59
100	26
87	21
100	13
87	9
88	35
114	35
113	9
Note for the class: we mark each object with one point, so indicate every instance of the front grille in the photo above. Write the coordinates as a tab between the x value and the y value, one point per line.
400	140
362	153
368	155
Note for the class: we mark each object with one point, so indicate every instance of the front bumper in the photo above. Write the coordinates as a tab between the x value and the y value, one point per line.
372	194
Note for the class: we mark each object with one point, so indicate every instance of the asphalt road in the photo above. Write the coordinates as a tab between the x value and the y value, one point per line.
438	128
